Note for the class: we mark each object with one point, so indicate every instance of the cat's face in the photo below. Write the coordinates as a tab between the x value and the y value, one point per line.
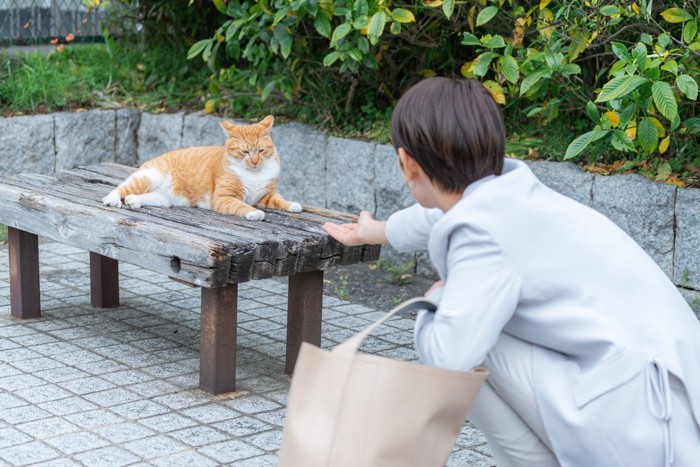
250	144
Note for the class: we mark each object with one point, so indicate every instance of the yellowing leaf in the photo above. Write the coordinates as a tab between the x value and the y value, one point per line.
496	91
663	146
613	117
631	132
544	3
466	69
659	127
519	31
635	8
664	171
676	15
431	3
210	106
402	15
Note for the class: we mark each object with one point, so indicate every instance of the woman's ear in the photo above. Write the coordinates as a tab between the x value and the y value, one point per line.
409	166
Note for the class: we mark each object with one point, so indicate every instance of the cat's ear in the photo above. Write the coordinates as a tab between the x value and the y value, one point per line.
230	129
266	122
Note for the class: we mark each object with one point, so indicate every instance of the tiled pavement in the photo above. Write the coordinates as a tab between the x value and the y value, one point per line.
92	387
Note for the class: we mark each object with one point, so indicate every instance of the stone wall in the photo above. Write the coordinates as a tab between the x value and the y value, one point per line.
350	175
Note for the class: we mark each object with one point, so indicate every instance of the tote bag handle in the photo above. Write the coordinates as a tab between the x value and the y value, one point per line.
351	345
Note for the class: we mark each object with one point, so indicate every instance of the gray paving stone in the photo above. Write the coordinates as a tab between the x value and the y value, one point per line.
242	426
67	406
8	401
139	409
210	413
47	427
93	418
230	451
168	422
29	453
110	456
10	436
199	436
154	446
124	432
86	385
184	459
112	397
76	442
22	414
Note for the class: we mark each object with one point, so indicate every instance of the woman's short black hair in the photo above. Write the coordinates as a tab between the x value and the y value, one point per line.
453	129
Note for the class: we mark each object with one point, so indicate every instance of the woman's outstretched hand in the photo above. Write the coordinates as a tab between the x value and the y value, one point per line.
366	231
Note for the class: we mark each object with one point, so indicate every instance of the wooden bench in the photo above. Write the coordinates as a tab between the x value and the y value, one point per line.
198	247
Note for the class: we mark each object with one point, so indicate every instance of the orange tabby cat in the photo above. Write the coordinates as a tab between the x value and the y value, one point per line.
230	179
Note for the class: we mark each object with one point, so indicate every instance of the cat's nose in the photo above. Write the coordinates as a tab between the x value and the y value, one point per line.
254	159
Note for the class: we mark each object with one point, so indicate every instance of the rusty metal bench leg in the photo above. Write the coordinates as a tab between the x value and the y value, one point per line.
303	313
217	350
104	281
24	274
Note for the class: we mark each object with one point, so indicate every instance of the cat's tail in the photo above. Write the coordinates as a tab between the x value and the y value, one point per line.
136	184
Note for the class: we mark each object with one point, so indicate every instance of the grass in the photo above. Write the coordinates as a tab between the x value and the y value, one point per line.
3	233
98	75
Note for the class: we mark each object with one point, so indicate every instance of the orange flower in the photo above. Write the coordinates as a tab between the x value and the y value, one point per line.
26	25
60	48
70	37
85	20
54	41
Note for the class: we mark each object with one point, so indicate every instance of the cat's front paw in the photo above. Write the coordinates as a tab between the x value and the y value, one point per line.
256	215
294	207
132	201
112	199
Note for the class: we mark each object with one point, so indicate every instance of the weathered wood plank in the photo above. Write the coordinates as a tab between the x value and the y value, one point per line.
103	231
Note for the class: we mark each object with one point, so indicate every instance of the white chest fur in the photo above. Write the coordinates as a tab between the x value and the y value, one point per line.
256	183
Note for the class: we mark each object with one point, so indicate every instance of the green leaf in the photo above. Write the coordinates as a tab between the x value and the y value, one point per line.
376	27
664	99
331	58
402	15
621	142
284	38
355	54
509	68
676	15
486	15
448	6
579	144
692	124
570	69
197	48
688	86
647	134
322	25
690	30
493	42
609	10
267	90
481	67
340	32
361	8
360	22
653	73
627	114
620	52
532	79
620	86
470	39
395	28
363	44
592	112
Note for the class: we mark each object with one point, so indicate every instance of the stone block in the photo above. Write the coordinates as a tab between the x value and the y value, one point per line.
565	178
643	209
391	192
85	138
159	134
693	299
686	270
424	267
127	127
201	129
302	151
350	175
27	144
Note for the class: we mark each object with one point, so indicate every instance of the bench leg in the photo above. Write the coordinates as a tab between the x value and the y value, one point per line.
23	248
217	350
303	313
104	281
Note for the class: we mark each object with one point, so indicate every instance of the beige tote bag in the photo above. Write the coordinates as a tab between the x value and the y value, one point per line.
358	410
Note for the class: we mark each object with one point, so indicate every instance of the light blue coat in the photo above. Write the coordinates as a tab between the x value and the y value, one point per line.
519	258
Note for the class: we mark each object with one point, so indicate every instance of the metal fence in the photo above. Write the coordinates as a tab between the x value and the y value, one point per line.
40	21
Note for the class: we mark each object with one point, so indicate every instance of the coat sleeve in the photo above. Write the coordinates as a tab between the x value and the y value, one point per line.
479	297
409	229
